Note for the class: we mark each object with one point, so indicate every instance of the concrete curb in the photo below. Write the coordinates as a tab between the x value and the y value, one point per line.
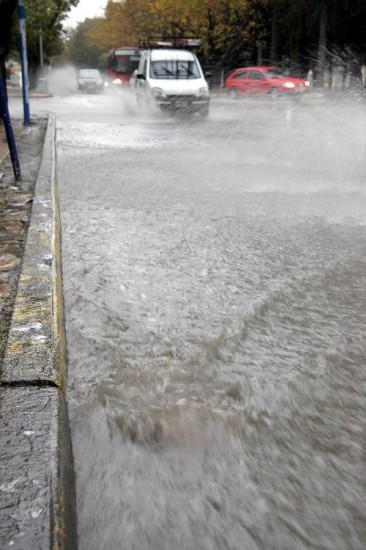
17	92
37	503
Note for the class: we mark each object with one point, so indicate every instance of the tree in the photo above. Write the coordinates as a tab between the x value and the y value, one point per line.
298	33
224	25
7	8
82	51
44	19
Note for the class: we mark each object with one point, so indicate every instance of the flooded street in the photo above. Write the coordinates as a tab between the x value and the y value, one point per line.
214	278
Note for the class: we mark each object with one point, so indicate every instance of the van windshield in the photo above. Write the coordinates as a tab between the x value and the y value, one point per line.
174	69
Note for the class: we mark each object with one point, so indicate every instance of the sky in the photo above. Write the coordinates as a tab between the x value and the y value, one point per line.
84	9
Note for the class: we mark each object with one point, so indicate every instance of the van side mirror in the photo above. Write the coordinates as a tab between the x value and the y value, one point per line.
140	76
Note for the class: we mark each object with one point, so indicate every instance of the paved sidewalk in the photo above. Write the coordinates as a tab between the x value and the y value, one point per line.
15	209
37	504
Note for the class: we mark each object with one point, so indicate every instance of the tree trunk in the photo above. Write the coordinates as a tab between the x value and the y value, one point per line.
274	35
322	48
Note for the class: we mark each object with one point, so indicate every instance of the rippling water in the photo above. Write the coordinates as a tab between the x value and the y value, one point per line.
215	281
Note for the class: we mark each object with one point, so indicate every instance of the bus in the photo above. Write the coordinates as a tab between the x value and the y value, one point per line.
121	63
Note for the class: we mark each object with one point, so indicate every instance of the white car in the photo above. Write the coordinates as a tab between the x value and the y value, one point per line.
172	80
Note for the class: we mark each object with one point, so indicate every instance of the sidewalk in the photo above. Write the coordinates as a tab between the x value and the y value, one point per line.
37	505
15	91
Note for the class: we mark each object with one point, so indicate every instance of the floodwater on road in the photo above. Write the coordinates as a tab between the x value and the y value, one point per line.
214	277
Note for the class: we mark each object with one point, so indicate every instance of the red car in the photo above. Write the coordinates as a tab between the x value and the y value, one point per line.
263	80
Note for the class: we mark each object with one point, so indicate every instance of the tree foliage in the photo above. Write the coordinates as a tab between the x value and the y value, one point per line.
44	18
297	32
82	50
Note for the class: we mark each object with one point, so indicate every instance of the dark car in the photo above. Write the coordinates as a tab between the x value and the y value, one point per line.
90	81
263	80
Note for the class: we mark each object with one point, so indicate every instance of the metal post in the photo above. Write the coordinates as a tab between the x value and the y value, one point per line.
24	62
9	130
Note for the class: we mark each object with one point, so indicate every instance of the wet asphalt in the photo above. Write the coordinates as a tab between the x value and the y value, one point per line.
213	284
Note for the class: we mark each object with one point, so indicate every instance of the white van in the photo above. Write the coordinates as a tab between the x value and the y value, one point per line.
172	80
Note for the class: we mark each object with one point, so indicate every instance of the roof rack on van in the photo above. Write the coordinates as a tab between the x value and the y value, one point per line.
169	42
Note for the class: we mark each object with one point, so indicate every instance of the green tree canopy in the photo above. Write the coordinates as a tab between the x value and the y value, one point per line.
44	18
297	32
83	51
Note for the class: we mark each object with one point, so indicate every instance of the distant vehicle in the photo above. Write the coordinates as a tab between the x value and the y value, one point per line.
121	64
171	79
90	81
263	80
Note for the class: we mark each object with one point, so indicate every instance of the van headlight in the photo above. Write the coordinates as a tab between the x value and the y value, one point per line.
289	85
203	91
158	93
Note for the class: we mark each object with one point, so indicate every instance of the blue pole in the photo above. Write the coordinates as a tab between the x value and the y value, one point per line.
24	62
9	129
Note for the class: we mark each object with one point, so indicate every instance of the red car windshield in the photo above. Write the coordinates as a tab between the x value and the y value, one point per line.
274	73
